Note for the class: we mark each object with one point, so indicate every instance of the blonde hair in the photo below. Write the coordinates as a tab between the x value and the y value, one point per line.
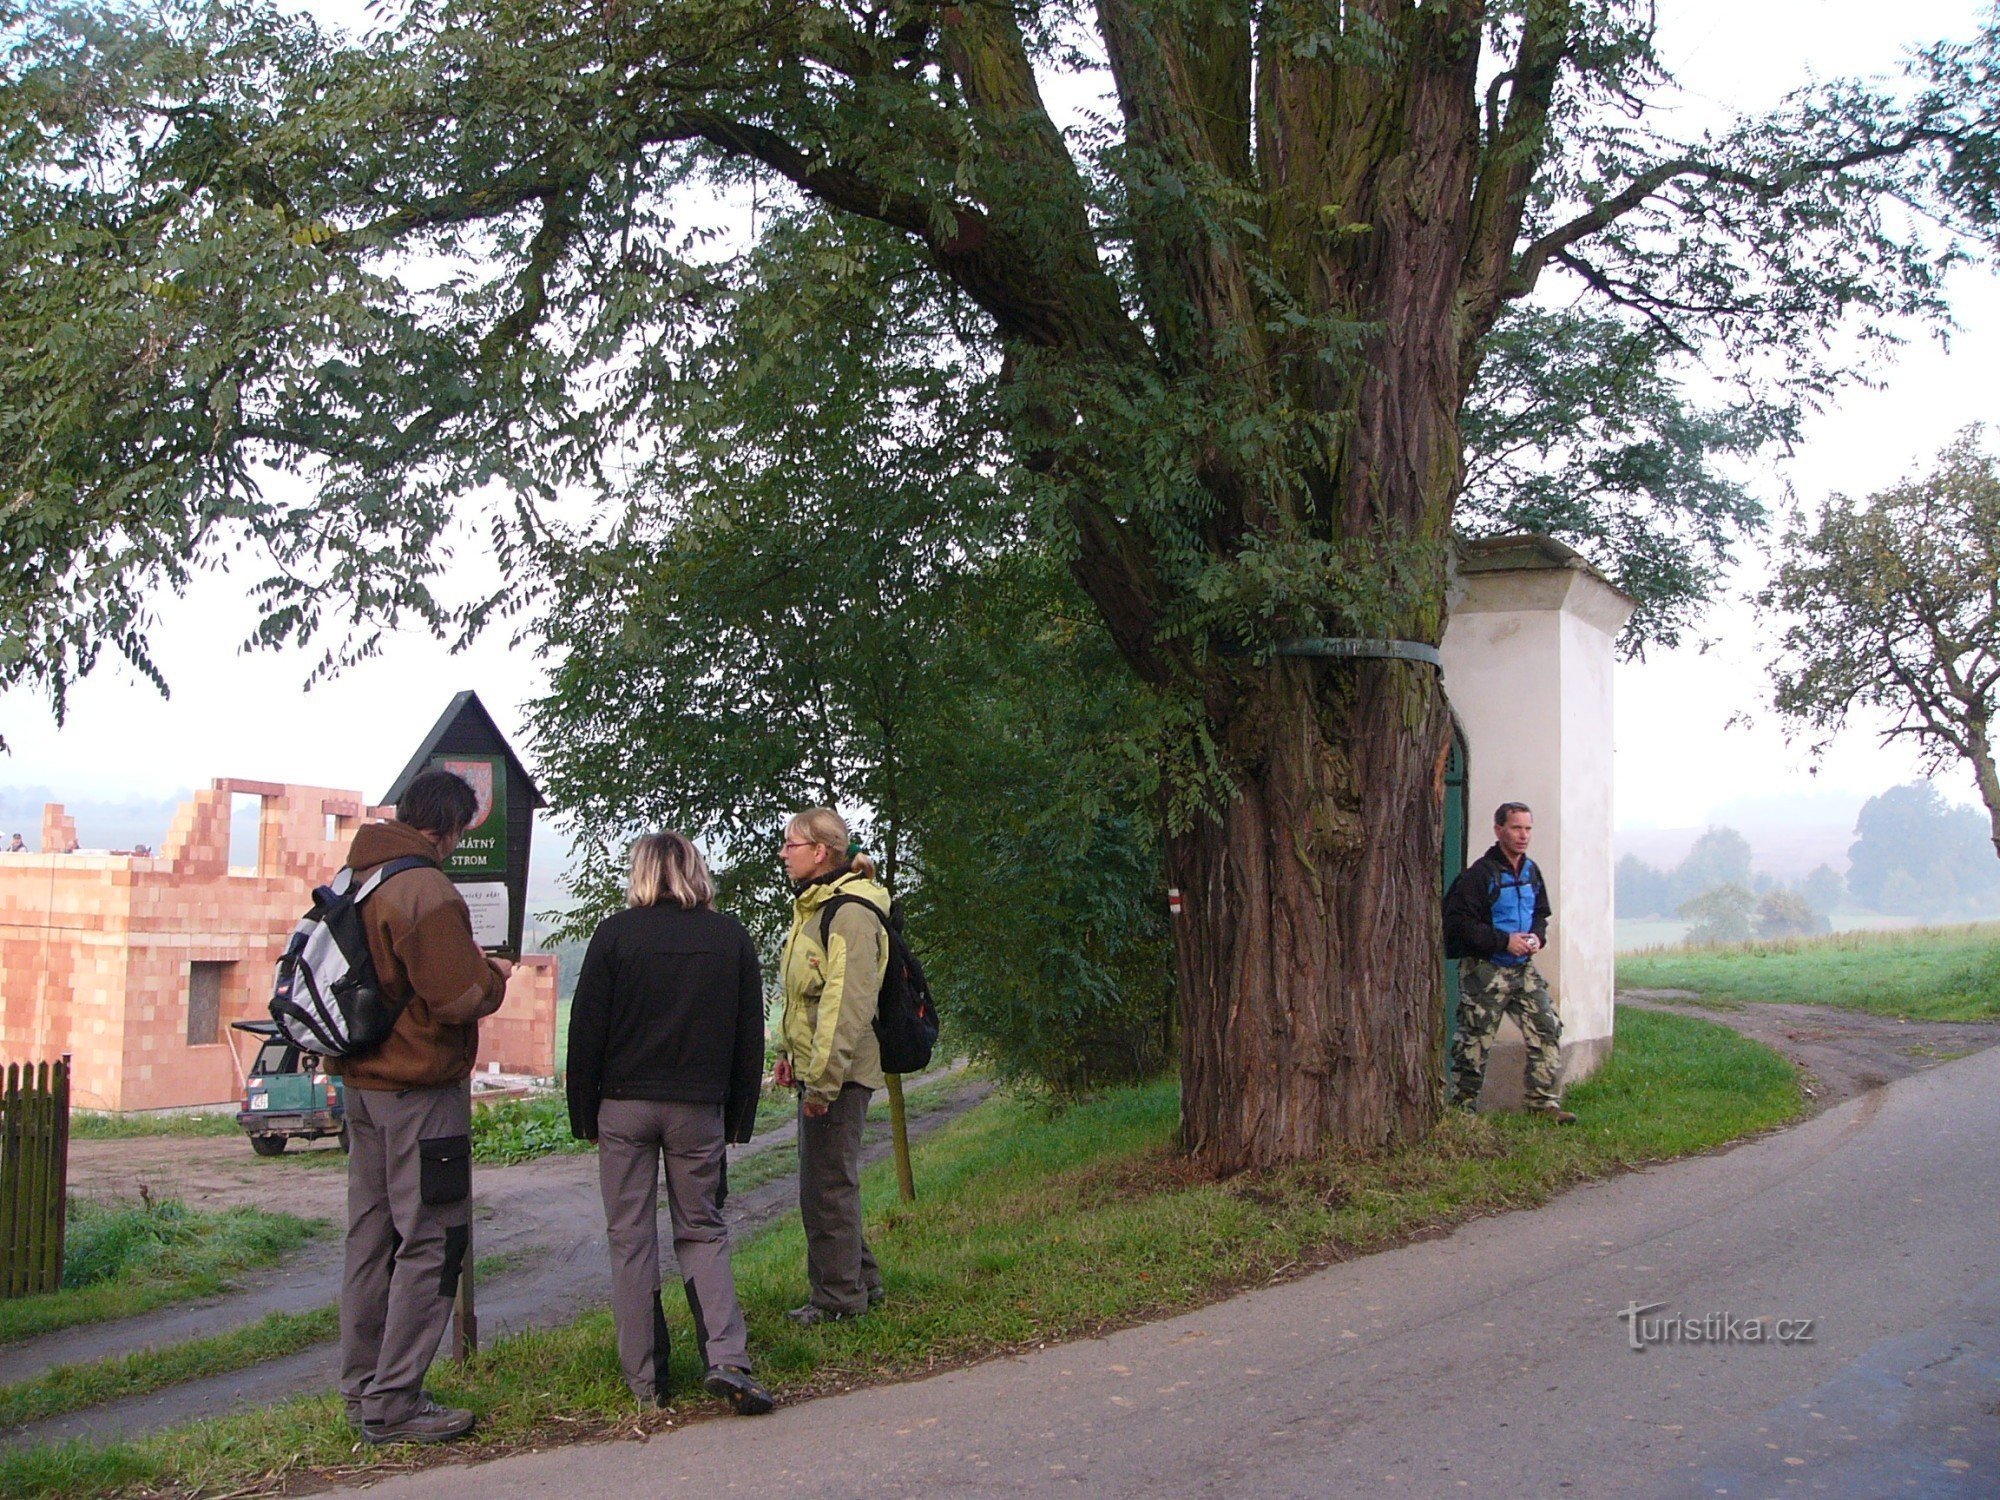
825	827
666	867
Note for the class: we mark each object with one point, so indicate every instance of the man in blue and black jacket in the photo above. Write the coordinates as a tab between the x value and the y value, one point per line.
1496	919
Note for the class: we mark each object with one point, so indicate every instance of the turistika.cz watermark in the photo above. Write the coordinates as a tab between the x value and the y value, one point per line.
1641	1331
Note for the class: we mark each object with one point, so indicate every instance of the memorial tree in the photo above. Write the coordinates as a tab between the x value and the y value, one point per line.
1241	277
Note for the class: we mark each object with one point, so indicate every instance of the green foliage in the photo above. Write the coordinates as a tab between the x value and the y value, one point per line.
1032	1226
101	1243
517	1130
163	1239
1581	428
1824	888
836	609
123	1259
1721	856
1783	914
1720	914
1892	605
446	271
1922	974
1916	854
1042	895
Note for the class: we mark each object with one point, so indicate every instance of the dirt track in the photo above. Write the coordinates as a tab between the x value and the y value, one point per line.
544	1215
1843	1052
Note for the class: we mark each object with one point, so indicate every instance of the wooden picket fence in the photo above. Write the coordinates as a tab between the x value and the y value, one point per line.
34	1176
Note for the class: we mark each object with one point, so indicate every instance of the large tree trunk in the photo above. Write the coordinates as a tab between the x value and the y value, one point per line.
1308	954
1308	942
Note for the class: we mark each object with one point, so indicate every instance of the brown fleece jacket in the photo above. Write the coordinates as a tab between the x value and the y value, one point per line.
420	936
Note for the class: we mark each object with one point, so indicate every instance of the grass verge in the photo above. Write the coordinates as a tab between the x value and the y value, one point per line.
773	1162
1030	1227
66	1388
122	1260
1918	974
90	1125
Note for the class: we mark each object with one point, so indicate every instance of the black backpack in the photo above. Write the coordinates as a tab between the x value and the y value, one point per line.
906	1018
326	998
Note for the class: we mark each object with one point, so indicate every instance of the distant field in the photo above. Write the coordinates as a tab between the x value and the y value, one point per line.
1630	934
1925	974
1634	934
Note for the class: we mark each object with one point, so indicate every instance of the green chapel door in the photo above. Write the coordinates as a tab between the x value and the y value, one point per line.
1454	858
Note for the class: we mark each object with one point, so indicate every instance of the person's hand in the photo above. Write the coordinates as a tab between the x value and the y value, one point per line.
503	967
814	1108
781	1074
1521	944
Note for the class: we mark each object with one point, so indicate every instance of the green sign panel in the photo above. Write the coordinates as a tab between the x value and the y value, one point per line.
483	850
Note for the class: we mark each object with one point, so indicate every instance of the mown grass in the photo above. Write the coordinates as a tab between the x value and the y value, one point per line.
124	1259
1918	974
1029	1227
90	1125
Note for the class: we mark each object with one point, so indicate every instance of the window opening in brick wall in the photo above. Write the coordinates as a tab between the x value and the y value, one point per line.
246	833
205	1002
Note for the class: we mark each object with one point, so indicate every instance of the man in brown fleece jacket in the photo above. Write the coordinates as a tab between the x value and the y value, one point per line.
409	1120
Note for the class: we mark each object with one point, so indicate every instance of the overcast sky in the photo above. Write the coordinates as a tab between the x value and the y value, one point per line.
1679	761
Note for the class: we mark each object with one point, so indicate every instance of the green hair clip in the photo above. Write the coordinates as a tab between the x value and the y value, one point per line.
853	847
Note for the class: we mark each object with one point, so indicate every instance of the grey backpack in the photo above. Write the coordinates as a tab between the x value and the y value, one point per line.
327	998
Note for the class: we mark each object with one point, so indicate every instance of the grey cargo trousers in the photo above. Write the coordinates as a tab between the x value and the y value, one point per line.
409	1215
840	1268
632	1137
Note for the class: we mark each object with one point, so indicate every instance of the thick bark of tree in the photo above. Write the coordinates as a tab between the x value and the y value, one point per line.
1307	949
1389	190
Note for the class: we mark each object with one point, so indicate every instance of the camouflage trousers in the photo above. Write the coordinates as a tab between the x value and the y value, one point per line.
1486	992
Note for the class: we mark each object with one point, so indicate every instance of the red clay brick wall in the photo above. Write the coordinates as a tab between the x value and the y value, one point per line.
521	1034
95	951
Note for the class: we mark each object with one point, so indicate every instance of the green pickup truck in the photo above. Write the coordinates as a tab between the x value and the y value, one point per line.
288	1093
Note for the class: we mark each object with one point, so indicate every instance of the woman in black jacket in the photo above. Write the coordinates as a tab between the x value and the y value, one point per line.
666	1055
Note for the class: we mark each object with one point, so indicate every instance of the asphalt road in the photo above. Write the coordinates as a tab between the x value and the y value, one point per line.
1493	1362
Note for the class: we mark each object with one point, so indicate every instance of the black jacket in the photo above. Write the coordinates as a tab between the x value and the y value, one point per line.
669	1005
1468	907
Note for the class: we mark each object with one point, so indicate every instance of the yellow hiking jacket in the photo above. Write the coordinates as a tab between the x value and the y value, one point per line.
830	992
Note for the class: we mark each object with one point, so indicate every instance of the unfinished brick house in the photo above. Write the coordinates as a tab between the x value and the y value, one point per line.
136	965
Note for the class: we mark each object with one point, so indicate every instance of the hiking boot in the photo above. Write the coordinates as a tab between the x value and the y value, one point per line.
429	1423
353	1405
812	1314
740	1389
1552	1112
877	1295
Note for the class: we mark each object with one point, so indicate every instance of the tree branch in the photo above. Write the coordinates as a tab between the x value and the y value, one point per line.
1642	189
1507	166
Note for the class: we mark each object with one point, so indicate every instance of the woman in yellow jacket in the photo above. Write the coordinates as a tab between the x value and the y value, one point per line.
829	1054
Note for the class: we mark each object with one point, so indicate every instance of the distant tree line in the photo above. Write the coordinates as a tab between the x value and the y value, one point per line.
1918	855
1914	854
